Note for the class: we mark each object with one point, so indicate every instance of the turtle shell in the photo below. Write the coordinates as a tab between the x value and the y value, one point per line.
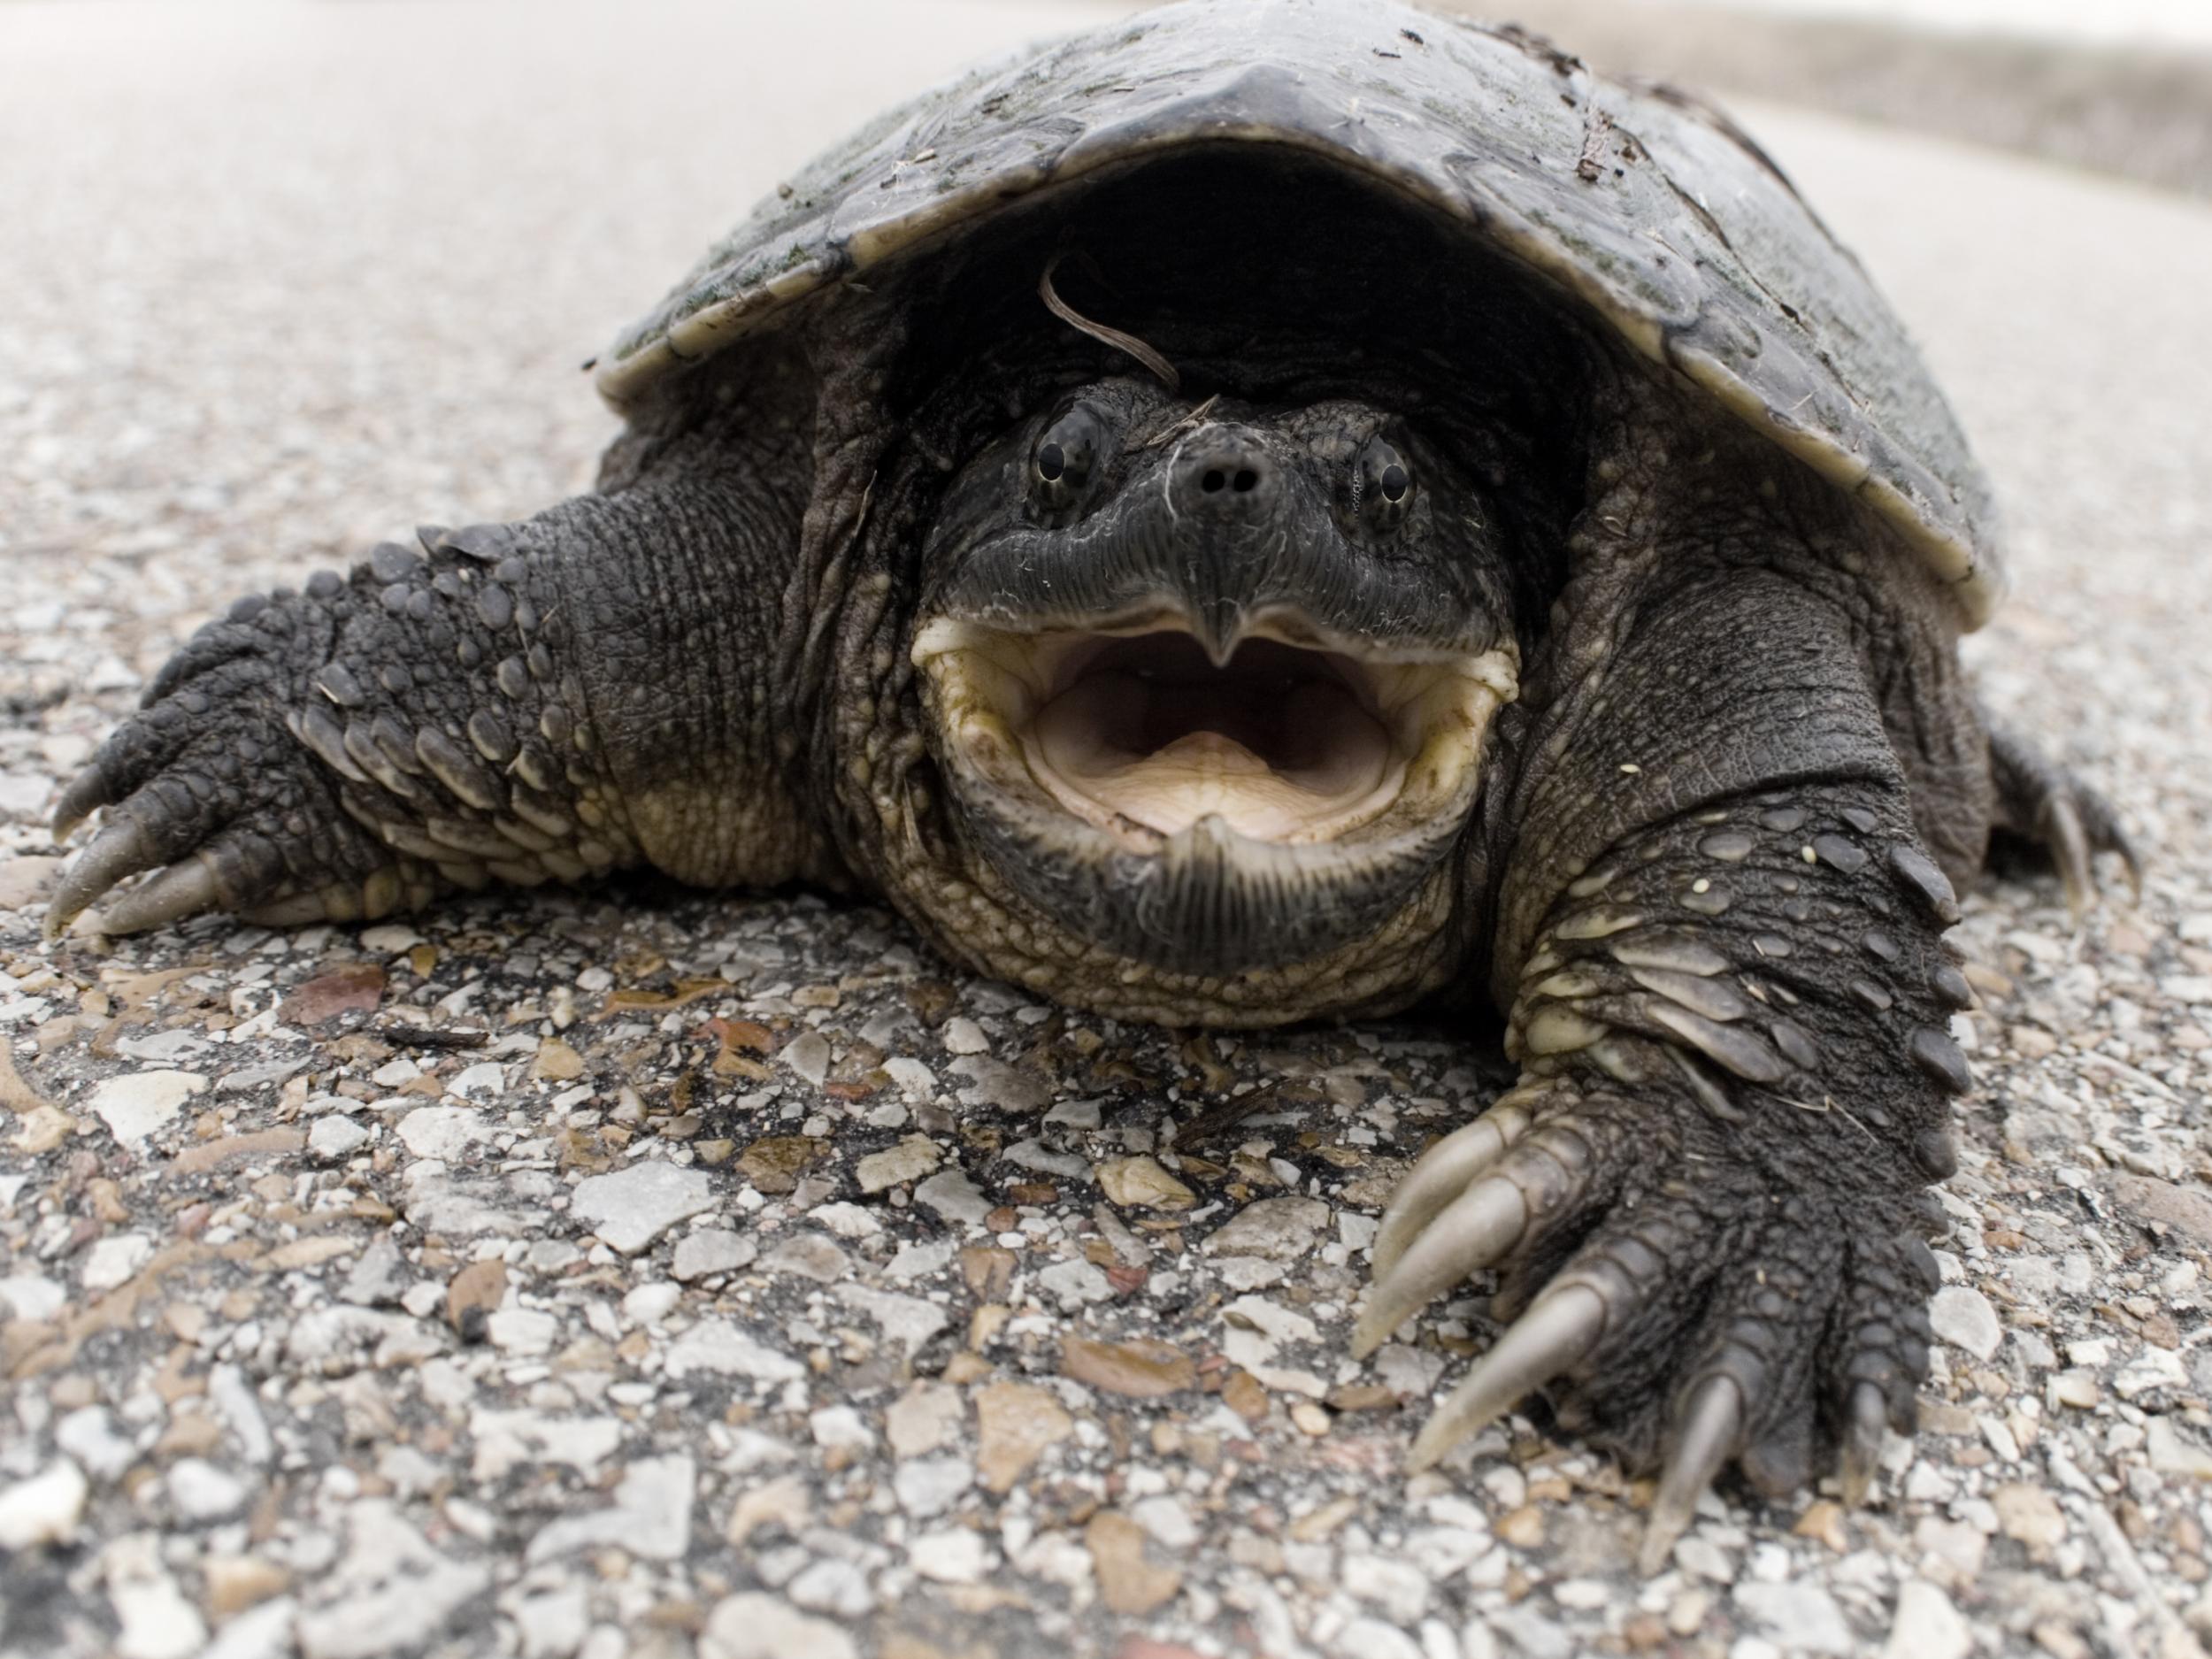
1650	208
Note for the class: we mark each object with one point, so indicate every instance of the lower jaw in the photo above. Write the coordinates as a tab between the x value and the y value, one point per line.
1209	904
1407	950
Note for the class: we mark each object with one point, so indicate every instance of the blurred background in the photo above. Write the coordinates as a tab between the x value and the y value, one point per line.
2119	85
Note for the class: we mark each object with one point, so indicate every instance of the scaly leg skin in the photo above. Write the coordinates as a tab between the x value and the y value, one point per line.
502	703
1706	1195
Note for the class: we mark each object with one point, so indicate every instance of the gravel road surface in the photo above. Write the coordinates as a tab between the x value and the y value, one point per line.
632	1272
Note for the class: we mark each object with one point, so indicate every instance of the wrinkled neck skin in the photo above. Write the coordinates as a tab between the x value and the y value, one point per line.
1175	708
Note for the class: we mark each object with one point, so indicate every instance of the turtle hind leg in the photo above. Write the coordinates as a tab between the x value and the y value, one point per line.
2046	818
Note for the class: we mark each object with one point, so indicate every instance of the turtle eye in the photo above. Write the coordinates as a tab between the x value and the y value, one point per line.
1064	458
1382	489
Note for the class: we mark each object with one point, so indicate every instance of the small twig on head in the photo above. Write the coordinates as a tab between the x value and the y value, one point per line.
1113	337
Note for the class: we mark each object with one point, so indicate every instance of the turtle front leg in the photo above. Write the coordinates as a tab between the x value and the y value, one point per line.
1731	998
555	699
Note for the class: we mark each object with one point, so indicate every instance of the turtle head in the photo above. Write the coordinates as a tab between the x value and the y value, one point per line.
1209	681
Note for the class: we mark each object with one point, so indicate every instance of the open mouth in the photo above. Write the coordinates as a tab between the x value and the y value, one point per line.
1133	728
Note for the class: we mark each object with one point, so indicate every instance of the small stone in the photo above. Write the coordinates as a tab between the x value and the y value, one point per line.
444	1133
1523	1528
710	1251
114	1261
1001	1087
1804	1614
357	988
2186	1209
954	1197
650	1516
930	1486
1687	1612
556	1061
963	1035
650	1304
1961	1543
841	1428
926	1417
24	878
1128	1583
143	1102
2153	1370
157	1623
31	1297
474	1296
379	1277
2029	1514
1963	1317
760	1626
718	1346
2075	1389
808	1056
955	1555
335	1137
774	1164
485	1080
45	1509
203	1492
847	1221
1310	1419
236	1583
1245	1394
552	1621
1142	1183
1926	1625
833	1586
908	1161
1141	1369
1274	1229
521	1332
89	1437
785	1501
2172	1453
1015	1424
631	1208
907	1320
809	1255
1072	1284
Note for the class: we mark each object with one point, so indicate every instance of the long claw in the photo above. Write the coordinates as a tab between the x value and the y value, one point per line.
1711	1424
117	852
2070	850
86	795
1551	1336
1862	1442
1445	1172
180	891
1469	1234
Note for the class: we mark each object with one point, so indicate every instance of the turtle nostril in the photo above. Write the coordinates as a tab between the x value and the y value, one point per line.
1212	482
1246	479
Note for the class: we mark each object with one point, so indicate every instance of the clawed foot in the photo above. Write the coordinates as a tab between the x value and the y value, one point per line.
1681	1305
206	787
2042	805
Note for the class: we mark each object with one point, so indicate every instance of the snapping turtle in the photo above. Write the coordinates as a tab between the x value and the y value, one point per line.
1264	512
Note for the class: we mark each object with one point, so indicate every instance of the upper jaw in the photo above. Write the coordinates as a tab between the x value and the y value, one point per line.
1288	760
